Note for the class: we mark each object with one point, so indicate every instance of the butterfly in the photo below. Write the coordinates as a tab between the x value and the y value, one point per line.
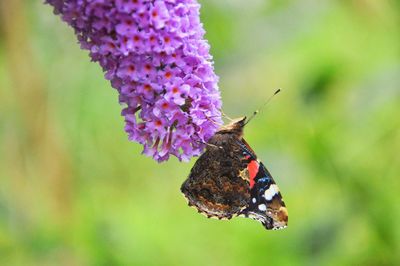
228	180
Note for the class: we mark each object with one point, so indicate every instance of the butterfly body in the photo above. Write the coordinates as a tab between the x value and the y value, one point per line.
227	180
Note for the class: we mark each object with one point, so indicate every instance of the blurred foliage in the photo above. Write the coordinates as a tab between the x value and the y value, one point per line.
74	191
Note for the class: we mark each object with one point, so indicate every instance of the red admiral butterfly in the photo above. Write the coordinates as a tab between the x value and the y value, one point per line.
227	180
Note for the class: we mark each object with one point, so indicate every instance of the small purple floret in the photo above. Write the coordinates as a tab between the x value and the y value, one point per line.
154	54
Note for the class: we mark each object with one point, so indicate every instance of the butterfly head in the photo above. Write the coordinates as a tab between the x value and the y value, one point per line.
235	126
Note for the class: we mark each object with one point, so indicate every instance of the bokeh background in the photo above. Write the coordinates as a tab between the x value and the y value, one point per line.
74	191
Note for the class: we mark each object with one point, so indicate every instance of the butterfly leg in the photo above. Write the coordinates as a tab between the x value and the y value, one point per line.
209	144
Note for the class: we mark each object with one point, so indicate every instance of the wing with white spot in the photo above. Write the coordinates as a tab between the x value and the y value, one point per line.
266	204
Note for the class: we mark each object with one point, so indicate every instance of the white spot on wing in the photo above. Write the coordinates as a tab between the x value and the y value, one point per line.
271	192
262	207
254	200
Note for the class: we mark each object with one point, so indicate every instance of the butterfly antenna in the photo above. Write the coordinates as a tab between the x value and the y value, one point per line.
226	116
262	106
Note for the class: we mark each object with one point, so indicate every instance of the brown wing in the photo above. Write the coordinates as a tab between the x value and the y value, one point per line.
217	184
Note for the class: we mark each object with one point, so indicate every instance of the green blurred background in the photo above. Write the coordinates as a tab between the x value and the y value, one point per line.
74	191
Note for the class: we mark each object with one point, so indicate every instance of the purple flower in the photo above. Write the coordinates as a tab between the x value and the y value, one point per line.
154	54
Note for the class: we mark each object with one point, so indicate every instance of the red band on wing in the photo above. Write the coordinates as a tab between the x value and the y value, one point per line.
253	170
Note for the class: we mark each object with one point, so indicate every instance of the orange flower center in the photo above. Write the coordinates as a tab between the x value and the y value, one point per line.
168	75
147	87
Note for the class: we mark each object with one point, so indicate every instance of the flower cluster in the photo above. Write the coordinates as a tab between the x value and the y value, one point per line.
154	54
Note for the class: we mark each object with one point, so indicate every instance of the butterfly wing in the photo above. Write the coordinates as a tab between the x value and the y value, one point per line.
228	180
215	185
266	204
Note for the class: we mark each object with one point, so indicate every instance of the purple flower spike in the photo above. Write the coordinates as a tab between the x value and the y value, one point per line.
154	54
